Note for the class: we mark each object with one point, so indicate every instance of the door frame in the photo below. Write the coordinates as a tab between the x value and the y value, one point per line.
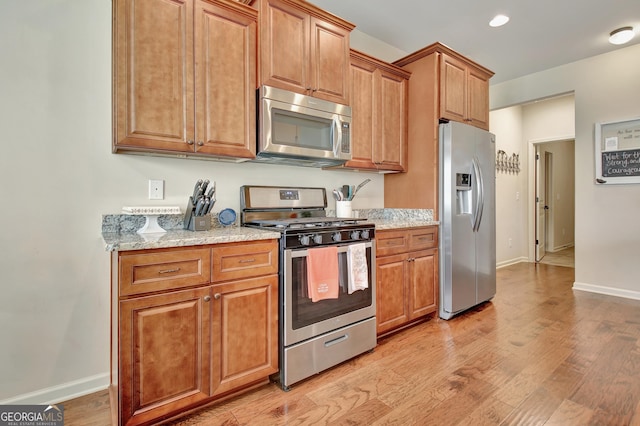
531	191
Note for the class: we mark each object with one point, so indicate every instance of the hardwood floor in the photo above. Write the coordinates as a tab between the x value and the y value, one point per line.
538	354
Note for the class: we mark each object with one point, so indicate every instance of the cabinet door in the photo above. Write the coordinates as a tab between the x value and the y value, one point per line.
153	75
453	89
390	152
284	41
478	99
245	333
363	118
423	283
164	354
329	61
225	80
391	292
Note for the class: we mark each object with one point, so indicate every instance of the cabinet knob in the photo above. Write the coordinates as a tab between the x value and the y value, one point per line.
216	296
189	142
200	143
207	298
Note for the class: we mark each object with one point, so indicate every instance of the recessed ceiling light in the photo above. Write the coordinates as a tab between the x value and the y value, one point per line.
621	35
499	20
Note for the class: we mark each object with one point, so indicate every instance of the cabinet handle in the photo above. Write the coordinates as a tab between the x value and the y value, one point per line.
411	259
189	142
168	271
216	296
200	143
247	261
207	298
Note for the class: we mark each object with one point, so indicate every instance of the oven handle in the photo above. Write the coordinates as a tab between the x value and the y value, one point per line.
336	340
341	249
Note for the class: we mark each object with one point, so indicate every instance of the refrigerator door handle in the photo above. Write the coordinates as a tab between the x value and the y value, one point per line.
479	181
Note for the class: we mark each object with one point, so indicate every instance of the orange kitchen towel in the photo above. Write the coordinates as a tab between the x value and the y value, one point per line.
322	273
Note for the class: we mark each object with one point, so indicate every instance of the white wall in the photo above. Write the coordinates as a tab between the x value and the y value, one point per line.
58	177
511	189
517	129
607	228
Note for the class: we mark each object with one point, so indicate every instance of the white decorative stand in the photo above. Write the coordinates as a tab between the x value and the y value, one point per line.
151	215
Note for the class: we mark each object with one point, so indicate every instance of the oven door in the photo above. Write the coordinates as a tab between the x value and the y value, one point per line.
303	318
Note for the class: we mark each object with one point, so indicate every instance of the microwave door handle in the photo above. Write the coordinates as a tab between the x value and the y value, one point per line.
336	134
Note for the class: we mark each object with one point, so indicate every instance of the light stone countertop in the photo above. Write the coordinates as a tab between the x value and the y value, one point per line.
119	231
181	237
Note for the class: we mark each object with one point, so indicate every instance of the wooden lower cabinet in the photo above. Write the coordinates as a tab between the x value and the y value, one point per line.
406	277
165	354
245	333
174	350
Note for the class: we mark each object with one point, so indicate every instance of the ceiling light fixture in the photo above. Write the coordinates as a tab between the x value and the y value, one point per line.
621	35
499	20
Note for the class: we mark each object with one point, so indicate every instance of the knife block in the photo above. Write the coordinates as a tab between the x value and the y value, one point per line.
193	222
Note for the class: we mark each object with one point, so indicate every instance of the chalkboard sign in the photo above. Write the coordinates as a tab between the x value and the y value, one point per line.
618	152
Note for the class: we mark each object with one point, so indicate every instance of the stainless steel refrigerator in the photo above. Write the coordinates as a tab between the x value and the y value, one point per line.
467	217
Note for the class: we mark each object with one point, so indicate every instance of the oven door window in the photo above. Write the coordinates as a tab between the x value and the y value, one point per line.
305	312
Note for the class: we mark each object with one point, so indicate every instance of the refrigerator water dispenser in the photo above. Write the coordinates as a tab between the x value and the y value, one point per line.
463	193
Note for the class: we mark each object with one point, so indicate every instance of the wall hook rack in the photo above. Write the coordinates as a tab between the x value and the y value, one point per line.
506	163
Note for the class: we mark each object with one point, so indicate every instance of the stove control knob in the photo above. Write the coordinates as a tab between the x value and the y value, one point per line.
317	239
355	235
336	237
304	240
365	234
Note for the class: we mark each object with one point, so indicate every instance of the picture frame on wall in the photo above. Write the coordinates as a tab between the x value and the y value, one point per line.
617	152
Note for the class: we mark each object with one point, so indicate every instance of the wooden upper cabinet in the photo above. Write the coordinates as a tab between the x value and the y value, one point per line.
153	74
390	151
304	49
464	92
378	99
226	79
185	75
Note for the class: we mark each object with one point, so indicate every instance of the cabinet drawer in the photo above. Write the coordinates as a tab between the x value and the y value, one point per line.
423	238
252	259
163	270
402	241
391	242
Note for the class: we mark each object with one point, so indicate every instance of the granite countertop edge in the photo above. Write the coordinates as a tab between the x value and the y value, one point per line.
119	232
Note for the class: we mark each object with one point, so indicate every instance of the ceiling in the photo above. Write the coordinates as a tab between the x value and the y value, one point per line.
541	34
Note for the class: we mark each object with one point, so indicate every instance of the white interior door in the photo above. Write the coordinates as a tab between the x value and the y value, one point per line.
541	211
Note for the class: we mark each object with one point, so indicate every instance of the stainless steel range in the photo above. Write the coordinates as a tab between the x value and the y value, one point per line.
315	335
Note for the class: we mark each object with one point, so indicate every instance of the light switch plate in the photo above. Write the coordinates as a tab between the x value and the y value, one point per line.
156	189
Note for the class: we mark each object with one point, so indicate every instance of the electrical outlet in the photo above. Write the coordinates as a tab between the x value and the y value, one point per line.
517	195
510	242
156	189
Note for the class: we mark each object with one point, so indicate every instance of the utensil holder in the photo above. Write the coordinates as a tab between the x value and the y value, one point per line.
343	209
193	222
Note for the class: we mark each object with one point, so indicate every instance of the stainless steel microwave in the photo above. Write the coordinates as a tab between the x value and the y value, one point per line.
295	129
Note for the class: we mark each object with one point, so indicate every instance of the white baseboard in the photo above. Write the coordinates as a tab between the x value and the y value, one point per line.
562	247
610	291
511	262
63	392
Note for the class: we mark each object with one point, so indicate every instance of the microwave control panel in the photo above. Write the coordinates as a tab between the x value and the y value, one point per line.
346	138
